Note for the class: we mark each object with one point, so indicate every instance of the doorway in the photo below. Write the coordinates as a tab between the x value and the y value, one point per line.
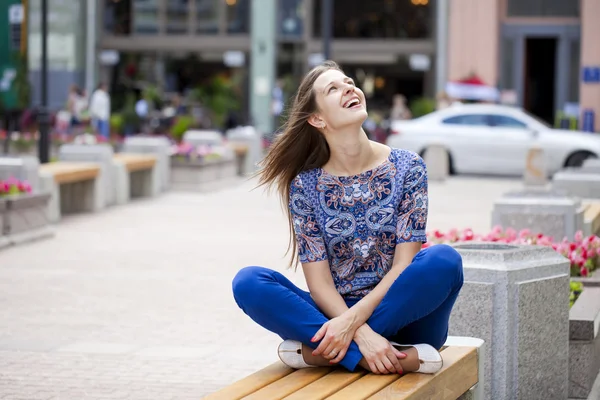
540	77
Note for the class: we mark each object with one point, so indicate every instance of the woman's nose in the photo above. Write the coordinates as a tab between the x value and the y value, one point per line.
349	89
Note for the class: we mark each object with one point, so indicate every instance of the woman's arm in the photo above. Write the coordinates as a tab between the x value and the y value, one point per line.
322	289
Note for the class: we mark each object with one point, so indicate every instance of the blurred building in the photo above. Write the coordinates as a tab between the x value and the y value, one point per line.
387	44
545	54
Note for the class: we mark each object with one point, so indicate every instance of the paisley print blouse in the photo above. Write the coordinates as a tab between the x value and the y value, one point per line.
355	222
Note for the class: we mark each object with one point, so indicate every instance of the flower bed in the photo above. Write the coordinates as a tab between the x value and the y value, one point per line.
13	186
193	167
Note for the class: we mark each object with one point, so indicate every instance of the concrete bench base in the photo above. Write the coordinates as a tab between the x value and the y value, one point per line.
135	176
73	187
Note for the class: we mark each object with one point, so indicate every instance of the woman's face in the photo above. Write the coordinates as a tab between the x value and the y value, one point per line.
339	101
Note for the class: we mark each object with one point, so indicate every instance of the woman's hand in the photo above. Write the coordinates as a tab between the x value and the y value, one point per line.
377	351
336	335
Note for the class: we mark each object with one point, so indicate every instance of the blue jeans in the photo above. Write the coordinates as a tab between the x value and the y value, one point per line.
416	308
102	126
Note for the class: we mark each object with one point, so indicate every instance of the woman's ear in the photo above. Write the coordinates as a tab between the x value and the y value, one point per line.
316	121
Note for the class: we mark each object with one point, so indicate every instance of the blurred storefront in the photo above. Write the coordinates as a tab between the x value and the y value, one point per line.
181	43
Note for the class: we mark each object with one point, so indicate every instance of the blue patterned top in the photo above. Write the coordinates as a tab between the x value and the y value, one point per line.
355	222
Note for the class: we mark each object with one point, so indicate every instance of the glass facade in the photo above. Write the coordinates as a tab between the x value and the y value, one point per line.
238	16
378	19
145	17
290	19
207	16
177	16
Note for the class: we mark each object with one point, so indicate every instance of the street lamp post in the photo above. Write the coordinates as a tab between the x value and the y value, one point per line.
326	26
43	116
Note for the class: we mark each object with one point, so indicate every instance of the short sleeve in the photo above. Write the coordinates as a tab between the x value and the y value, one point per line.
311	246
414	203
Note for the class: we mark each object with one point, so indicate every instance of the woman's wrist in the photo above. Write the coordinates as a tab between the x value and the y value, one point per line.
361	333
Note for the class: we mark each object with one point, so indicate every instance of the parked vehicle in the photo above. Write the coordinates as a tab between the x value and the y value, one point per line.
493	139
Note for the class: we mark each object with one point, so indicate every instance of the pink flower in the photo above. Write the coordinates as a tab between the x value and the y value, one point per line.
583	271
578	236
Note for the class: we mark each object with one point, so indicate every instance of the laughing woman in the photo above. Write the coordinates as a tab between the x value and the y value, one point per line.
358	215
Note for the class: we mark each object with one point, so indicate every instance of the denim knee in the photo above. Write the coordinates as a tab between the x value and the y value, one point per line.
246	283
446	260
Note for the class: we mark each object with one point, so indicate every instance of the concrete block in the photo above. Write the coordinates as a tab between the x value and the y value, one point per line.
98	153
159	146
552	213
249	136
438	162
536	169
580	182
516	298
584	343
200	137
24	168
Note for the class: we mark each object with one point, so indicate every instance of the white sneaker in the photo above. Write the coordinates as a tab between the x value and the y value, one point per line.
290	353
430	359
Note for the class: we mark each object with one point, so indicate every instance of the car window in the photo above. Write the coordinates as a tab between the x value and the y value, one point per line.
506	122
468	119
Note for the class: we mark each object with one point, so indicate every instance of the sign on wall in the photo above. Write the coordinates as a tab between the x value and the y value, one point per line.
591	74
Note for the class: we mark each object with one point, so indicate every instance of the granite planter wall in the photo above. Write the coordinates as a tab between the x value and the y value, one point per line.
584	343
4	242
25	218
201	174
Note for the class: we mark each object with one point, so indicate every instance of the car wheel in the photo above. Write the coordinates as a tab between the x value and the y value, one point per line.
577	159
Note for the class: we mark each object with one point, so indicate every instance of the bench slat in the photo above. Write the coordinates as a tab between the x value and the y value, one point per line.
327	385
69	172
364	387
136	162
252	383
457	376
289	384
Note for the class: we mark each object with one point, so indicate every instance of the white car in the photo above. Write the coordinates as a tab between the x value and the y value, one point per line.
493	139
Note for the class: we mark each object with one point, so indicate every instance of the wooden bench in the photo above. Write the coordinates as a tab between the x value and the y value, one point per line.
73	187
136	175
591	218
462	372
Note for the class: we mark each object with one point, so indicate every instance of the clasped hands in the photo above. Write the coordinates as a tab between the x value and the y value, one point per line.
337	334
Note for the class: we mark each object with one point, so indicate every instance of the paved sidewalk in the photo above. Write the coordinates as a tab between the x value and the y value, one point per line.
135	302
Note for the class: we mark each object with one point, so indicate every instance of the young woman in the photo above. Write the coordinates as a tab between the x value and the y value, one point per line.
357	214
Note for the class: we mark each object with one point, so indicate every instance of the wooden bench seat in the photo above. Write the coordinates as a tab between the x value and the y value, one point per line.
277	381
136	162
69	172
591	217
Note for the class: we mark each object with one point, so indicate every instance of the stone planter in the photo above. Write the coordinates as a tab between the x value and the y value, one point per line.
25	218
201	174
584	343
4	242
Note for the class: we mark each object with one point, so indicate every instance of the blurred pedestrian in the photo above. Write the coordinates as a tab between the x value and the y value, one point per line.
100	110
399	108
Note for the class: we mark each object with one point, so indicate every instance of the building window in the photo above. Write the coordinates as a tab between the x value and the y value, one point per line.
238	16
177	16
507	63
385	19
207	16
543	8
145	17
291	18
117	17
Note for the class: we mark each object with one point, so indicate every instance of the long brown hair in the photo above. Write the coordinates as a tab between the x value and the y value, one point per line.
300	147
